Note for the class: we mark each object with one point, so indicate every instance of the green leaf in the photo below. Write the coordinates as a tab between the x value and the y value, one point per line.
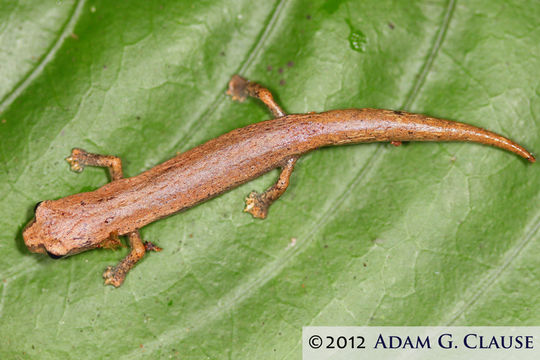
423	234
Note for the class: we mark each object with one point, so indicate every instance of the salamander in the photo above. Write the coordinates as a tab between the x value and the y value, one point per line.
95	219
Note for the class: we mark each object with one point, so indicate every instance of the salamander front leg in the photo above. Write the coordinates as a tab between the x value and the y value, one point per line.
240	89
258	204
113	275
80	158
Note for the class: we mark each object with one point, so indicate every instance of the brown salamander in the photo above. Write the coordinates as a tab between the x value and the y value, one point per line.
95	219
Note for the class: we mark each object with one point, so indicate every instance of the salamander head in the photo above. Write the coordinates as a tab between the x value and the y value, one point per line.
42	234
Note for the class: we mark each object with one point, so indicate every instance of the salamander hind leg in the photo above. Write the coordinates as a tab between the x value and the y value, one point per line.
80	158
258	204
240	89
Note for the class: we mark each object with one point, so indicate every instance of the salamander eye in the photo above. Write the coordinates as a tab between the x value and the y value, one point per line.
37	205
54	256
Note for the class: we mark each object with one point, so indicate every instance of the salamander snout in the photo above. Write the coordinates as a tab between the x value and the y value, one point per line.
54	256
37	237
37	205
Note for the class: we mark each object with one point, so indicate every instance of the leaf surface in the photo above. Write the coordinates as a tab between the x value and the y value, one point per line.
423	234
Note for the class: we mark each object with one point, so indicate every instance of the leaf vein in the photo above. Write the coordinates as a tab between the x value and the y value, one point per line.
491	276
252	54
67	29
426	68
